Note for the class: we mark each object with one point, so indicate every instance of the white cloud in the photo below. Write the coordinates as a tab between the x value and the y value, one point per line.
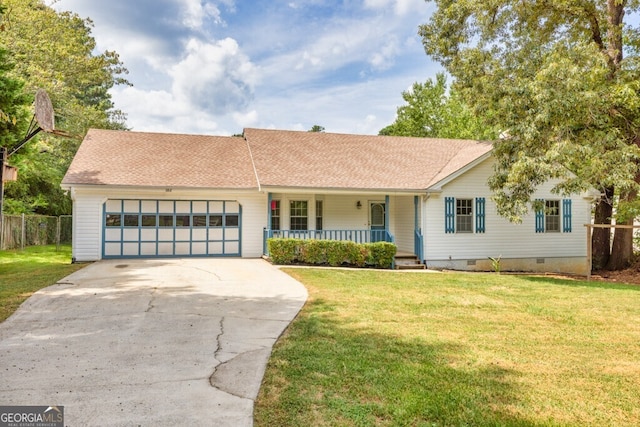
245	120
400	7
200	67
216	77
213	82
342	43
196	12
308	59
383	59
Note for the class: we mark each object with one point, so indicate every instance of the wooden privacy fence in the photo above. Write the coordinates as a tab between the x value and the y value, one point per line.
23	230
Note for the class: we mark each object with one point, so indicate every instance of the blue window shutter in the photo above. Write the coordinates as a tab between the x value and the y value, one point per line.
566	215
449	215
540	218
480	203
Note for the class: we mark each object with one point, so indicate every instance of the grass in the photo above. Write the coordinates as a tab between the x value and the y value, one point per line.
24	272
380	348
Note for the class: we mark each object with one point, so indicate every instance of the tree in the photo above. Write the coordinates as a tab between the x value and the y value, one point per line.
14	103
55	51
316	128
432	112
562	79
13	110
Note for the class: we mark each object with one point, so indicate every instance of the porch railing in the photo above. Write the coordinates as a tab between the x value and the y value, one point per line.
357	236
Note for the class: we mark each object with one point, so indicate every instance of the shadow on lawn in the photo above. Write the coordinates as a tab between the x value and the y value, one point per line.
583	283
331	369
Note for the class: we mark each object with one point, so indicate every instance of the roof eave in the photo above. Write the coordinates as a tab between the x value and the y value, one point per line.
165	188
340	190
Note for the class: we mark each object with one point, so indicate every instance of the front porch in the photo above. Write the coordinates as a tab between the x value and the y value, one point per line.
350	217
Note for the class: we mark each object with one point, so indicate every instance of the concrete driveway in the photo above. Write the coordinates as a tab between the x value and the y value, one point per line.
149	342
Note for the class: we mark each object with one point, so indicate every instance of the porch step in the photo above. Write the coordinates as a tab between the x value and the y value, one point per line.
408	262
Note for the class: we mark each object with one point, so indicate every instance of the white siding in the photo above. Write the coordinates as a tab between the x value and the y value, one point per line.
501	238
87	215
403	222
87	227
254	220
339	212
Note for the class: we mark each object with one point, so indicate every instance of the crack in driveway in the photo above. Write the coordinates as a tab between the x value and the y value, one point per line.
152	299
143	337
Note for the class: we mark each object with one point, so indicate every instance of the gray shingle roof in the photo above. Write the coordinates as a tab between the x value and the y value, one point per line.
281	159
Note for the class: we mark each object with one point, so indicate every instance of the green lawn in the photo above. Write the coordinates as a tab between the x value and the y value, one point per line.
414	349
24	272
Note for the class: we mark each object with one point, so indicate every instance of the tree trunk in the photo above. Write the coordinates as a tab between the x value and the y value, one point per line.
601	238
622	250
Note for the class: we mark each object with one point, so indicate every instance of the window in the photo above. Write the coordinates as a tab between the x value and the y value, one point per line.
165	220
231	221
552	215
318	214
183	220
298	211
130	220
459	215
148	220
113	220
275	214
200	220
464	217
215	220
551	218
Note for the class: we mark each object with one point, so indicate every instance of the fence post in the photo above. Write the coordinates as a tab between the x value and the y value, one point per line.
58	235
3	158
23	235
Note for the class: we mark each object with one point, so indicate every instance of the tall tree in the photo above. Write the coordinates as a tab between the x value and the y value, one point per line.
432	111
13	100
56	51
562	79
14	105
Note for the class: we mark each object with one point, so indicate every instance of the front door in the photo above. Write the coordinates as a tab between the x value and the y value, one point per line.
377	221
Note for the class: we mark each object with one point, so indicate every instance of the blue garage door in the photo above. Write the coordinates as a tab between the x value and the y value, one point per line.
171	228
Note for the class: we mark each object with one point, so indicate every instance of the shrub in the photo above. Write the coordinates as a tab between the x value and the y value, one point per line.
338	253
381	254
332	252
315	251
356	253
283	251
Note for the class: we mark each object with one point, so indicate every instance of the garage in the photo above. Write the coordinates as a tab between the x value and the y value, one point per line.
171	228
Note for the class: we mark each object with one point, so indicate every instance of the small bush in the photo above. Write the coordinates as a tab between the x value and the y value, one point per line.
315	252
332	252
381	254
356	253
283	251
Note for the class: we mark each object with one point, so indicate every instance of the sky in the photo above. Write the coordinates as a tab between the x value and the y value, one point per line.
217	66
